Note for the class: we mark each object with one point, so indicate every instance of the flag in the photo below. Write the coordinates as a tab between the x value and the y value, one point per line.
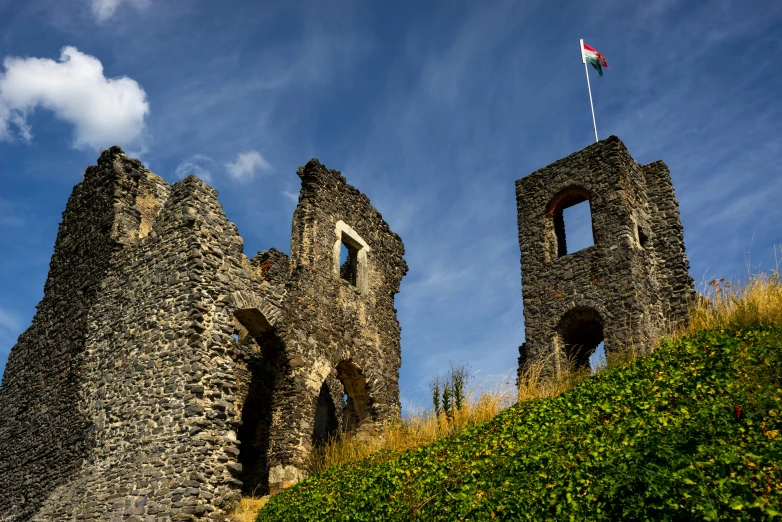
594	57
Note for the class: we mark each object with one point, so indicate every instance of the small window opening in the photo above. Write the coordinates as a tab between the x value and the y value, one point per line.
581	334
348	262
350	257
642	238
576	219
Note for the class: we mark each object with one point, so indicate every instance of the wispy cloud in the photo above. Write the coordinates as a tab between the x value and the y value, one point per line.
103	10
198	165
11	214
434	163
247	165
433	114
104	111
9	321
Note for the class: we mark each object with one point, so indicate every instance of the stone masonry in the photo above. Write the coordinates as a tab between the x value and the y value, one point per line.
626	288
165	373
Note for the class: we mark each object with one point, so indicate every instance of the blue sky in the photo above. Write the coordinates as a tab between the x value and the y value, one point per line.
431	109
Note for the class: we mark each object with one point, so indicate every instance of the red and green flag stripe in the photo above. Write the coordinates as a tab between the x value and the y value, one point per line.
595	58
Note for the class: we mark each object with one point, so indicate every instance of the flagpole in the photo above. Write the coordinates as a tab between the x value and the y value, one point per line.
589	88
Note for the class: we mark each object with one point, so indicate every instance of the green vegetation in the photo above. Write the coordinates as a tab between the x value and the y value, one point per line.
690	432
448	393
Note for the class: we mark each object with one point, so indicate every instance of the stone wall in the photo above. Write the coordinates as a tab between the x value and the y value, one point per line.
626	288
165	372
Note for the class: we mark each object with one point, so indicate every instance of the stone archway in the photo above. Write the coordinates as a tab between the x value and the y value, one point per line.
579	333
326	416
358	403
263	373
254	431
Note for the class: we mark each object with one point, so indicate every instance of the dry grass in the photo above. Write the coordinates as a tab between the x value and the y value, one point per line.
247	509
756	301
482	403
414	431
536	380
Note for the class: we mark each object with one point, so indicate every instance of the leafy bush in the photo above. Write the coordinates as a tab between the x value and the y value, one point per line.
691	432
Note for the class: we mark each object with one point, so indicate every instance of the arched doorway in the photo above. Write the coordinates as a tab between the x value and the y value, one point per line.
357	407
253	434
579	333
326	420
265	370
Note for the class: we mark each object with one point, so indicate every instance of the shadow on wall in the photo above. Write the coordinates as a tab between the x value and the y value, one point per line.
253	434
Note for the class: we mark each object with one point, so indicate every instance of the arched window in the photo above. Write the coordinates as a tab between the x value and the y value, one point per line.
570	210
580	332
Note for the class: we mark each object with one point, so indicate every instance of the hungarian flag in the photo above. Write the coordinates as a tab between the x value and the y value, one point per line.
595	58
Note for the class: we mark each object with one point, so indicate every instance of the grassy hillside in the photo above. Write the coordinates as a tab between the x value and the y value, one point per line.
690	432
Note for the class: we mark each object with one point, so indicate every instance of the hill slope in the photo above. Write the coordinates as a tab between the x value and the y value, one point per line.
689	432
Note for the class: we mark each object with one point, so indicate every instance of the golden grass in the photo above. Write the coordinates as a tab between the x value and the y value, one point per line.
482	403
537	382
755	301
247	509
412	432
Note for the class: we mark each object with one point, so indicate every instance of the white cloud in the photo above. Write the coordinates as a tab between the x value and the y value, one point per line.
104	111
102	10
197	165
247	164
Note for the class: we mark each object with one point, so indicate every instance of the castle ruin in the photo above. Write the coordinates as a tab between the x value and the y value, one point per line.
629	286
165	373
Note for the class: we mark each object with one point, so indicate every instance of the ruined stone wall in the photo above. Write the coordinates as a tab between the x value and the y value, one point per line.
44	434
619	290
165	372
342	333
667	236
159	384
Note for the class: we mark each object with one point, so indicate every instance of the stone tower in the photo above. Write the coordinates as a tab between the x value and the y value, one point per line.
165	372
626	288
